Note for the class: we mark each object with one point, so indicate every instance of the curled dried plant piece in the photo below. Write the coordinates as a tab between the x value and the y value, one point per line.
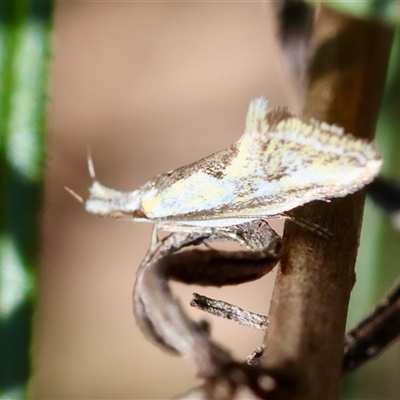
256	356
226	310
205	267
160	315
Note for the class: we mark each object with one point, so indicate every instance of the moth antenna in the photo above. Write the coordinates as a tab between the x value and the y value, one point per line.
91	166
79	198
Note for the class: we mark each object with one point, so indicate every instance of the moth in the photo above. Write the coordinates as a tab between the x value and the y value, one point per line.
281	162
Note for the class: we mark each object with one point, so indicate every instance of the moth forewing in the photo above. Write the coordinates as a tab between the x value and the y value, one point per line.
280	162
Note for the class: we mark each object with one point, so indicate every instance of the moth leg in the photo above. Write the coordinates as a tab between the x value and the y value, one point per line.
207	245
311	226
254	235
171	243
155	244
154	236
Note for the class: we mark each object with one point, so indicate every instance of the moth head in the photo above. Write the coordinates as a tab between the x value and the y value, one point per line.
112	203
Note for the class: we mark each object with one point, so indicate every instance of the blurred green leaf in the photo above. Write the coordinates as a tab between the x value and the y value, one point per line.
387	11
24	55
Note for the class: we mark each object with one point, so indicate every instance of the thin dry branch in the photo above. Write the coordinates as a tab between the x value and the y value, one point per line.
304	341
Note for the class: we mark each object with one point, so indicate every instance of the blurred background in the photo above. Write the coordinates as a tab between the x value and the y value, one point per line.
148	87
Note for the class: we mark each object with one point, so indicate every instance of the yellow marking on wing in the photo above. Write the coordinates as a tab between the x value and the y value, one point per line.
190	193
